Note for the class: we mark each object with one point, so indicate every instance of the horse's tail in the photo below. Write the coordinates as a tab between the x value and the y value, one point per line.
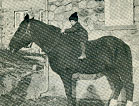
126	74
123	54
129	55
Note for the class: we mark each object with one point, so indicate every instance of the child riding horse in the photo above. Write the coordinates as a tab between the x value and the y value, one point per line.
78	30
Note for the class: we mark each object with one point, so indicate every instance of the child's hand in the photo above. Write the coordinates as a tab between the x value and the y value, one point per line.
62	30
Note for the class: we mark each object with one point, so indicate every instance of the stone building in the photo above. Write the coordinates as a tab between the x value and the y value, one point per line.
102	18
1	20
13	12
95	15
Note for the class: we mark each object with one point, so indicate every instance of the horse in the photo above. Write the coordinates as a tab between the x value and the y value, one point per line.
108	55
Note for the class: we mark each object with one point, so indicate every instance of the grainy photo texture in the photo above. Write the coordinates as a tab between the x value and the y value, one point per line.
69	52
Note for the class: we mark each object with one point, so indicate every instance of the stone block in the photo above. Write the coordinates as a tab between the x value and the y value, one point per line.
127	38
82	4
58	3
82	22
59	16
75	4
101	17
69	7
52	0
136	2
91	4
65	2
83	13
67	15
137	24
135	52
135	41
120	33
60	9
93	18
90	26
76	0
91	11
52	7
57	23
136	18
75	9
136	9
95	34
98	25
51	15
137	13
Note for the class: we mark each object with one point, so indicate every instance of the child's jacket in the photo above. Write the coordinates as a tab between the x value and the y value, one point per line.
78	32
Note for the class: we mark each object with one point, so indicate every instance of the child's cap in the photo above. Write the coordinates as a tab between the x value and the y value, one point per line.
74	17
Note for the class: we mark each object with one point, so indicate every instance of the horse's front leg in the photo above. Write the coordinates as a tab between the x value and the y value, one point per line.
67	81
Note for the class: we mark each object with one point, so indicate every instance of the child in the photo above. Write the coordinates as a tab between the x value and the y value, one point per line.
78	29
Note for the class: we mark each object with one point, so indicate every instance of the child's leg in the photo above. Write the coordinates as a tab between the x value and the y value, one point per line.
83	55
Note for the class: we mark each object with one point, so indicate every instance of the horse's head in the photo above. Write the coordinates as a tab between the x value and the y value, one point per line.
22	37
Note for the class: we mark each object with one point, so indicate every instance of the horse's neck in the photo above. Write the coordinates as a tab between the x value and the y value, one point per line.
47	37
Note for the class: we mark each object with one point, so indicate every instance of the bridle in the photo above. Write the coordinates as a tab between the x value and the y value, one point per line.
27	32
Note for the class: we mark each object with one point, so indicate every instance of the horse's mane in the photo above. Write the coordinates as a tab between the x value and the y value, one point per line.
47	26
51	31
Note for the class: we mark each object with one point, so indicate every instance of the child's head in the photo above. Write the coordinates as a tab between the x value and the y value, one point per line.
73	22
73	18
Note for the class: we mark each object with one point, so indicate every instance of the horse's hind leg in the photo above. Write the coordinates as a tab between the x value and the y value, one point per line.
128	86
116	86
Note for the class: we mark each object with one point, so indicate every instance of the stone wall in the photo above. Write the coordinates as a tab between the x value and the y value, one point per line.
1	22
8	9
60	10
92	19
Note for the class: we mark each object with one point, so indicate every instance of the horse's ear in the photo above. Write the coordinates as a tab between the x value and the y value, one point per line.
26	17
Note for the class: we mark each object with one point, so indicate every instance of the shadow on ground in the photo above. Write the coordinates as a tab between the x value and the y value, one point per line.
17	96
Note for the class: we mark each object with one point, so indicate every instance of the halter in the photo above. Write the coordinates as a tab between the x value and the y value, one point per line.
27	30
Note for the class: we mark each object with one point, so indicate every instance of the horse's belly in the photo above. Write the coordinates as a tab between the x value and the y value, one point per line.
90	67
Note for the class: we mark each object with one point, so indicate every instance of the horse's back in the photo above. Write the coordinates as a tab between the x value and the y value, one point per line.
105	39
50	28
108	49
110	41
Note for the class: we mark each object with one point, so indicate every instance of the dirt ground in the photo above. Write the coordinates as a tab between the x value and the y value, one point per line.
16	97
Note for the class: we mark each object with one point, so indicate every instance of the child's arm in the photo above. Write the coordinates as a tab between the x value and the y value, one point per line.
83	36
70	30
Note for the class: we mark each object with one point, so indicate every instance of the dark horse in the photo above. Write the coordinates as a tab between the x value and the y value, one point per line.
107	55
